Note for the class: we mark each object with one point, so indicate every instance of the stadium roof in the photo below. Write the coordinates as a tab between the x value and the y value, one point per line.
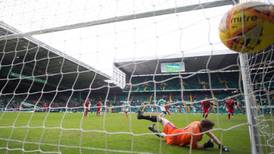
224	62
31	64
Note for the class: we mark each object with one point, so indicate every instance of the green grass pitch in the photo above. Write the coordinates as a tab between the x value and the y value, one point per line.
68	133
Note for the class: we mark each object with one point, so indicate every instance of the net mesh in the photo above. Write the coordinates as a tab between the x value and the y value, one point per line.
61	60
261	72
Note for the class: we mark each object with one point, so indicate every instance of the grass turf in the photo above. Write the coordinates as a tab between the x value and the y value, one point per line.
69	133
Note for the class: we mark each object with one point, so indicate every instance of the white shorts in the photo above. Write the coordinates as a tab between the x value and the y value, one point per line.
163	109
126	109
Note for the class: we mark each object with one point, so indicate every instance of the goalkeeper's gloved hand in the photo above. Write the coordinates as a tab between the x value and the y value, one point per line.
224	148
209	144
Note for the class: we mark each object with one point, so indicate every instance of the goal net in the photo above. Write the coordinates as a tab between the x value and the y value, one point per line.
75	73
260	94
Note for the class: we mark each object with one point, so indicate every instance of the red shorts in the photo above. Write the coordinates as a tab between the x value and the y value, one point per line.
206	109
98	109
230	110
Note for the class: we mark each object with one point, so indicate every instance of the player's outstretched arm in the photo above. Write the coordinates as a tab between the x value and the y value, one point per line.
214	138
218	142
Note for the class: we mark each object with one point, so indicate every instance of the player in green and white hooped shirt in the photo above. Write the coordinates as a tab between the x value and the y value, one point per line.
161	103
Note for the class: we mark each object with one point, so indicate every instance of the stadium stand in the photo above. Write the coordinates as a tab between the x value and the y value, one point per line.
38	72
172	84
41	66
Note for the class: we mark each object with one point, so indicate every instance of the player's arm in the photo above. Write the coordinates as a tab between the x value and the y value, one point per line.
225	104
212	103
214	138
238	106
216	141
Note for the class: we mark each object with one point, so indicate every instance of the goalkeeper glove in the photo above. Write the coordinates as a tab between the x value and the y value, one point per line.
208	144
224	148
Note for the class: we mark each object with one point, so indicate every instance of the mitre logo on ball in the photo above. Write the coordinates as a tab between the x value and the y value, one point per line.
248	27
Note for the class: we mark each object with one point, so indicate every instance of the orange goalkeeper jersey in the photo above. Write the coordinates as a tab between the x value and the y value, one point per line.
183	136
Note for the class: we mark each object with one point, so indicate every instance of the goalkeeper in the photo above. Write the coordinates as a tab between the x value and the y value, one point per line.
185	137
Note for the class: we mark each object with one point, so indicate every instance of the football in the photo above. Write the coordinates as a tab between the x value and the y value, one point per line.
248	27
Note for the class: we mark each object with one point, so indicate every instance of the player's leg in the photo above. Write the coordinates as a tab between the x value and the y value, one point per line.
163	111
206	115
230	112
157	132
140	114
167	127
85	113
167	110
203	110
147	117
187	108
142	107
127	111
150	118
206	110
163	114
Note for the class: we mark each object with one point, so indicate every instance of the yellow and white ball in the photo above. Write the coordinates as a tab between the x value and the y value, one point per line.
248	27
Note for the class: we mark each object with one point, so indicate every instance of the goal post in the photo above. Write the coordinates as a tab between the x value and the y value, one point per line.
250	104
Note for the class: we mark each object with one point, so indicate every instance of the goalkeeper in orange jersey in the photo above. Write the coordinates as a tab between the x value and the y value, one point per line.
185	137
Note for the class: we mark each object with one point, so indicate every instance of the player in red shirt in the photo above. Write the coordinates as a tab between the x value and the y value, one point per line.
86	106
205	106
99	107
46	107
188	136
229	104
